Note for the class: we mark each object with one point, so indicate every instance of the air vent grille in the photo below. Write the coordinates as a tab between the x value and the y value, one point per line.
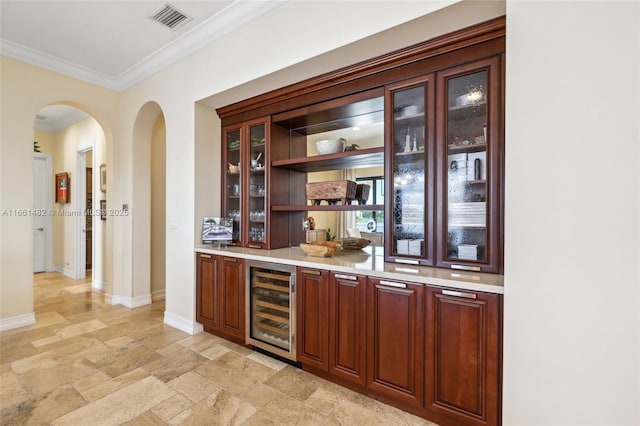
170	17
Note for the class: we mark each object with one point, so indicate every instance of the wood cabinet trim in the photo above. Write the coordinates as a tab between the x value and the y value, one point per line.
476	34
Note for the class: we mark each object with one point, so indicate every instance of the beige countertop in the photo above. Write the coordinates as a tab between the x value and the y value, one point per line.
370	262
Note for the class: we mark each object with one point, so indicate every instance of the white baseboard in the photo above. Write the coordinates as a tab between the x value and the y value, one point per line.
17	321
66	272
129	302
135	302
176	321
110	299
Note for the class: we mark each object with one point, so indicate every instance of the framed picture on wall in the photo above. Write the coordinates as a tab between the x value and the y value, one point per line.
103	209
62	188
103	177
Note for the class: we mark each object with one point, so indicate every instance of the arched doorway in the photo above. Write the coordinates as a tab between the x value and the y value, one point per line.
148	205
70	236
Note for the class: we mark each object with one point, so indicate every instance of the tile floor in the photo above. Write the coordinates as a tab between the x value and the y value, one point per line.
88	363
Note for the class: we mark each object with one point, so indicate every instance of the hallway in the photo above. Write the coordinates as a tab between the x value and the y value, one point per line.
86	362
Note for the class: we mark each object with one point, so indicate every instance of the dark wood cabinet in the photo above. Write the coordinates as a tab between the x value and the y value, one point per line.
463	356
313	313
395	340
444	165
436	352
206	294
231	293
220	295
347	327
245	181
470	157
441	108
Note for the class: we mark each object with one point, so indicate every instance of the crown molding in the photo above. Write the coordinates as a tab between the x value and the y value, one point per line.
226	21
51	63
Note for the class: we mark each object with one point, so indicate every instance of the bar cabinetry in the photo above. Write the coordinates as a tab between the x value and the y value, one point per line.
220	295
445	168
245	181
463	356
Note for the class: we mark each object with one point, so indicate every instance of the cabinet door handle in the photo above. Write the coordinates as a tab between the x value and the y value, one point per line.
346	277
230	259
392	284
310	272
205	256
407	261
459	294
466	268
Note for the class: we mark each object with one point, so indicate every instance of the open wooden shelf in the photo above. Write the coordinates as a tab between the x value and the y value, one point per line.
329	208
342	160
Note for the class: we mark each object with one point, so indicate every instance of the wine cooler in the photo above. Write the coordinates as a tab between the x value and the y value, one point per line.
271	306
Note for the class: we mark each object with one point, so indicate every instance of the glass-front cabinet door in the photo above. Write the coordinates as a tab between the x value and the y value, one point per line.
468	150
232	179
409	209
245	181
257	191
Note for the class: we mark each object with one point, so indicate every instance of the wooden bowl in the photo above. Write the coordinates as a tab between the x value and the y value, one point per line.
321	248
354	243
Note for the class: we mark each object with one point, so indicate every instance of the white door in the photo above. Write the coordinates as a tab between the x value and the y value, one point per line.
40	198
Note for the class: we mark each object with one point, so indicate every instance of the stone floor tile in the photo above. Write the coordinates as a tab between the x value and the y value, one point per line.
193	386
99	364
43	408
120	406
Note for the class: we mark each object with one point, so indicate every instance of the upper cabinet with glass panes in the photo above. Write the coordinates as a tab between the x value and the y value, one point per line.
422	128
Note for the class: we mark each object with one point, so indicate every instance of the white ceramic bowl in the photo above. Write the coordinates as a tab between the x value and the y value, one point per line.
329	146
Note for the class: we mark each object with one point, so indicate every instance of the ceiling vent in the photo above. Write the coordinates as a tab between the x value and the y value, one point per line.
170	17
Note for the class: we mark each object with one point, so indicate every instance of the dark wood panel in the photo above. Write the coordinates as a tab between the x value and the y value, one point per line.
324	207
232	297
350	159
347	327
395	341
313	312
348	111
463	355
206	299
366	74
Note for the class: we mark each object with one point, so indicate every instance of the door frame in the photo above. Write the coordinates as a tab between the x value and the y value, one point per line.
79	194
48	238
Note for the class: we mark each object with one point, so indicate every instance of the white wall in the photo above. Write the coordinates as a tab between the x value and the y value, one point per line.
82	134
572	278
158	204
25	90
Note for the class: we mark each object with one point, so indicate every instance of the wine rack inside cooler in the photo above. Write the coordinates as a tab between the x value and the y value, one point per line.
271	303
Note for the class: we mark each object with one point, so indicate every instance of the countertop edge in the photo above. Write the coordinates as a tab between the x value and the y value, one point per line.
374	266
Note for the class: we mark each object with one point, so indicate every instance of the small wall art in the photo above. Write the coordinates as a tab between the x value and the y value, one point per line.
62	188
103	177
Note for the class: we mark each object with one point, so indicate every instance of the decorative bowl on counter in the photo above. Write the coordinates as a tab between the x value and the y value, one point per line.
321	248
354	243
330	146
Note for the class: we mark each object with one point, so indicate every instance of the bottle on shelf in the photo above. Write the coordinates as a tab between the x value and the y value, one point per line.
407	142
